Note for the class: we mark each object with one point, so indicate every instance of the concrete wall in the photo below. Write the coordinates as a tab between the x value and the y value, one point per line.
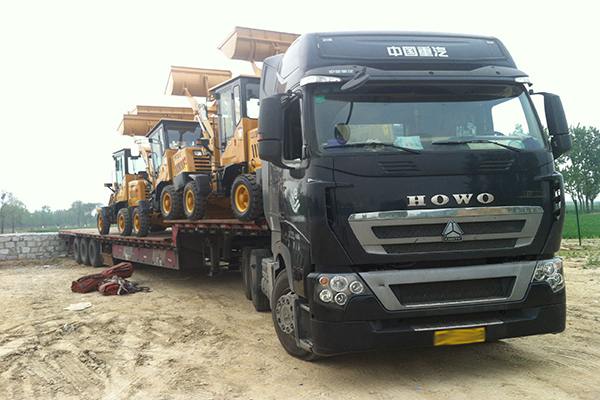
24	246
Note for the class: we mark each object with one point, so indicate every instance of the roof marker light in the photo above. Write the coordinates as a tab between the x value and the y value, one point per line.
307	80
523	79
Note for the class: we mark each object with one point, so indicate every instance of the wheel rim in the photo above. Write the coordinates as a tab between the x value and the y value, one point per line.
167	203
284	313
121	223
136	222
190	201
242	198
100	223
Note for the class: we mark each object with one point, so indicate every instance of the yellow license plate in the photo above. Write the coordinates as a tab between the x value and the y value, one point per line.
450	337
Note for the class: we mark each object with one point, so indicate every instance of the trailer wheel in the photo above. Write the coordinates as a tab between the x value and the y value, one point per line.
103	221
84	253
95	253
259	299
246	198
171	203
141	221
194	204
245	269
283	319
76	254
124	221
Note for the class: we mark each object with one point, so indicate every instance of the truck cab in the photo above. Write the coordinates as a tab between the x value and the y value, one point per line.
411	192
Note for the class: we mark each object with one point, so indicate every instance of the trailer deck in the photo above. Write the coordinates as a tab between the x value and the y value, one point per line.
212	243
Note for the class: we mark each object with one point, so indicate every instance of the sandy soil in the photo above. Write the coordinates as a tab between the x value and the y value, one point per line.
198	338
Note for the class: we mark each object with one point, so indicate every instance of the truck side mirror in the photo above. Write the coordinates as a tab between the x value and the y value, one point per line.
558	128
271	130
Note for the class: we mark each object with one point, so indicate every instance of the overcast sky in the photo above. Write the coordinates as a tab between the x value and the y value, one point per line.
69	70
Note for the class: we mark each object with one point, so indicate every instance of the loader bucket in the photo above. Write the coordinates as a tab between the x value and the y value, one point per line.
250	44
197	81
141	120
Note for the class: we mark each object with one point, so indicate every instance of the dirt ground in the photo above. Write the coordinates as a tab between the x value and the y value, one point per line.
195	337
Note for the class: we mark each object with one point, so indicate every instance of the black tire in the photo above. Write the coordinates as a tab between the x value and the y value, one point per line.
247	184
124	221
175	208
194	204
140	221
84	251
245	269
259	300
103	221
281	313
95	253
76	253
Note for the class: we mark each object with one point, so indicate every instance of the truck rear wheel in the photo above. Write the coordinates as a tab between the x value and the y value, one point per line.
282	312
259	299
95	253
103	221
194	204
124	222
246	198
171	203
84	253
141	221
76	254
245	269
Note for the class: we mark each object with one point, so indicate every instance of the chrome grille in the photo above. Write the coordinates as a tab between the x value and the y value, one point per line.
417	231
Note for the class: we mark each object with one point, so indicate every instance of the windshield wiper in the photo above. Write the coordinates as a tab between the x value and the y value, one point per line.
365	144
465	141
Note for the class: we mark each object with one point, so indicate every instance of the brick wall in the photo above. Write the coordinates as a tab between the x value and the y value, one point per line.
23	246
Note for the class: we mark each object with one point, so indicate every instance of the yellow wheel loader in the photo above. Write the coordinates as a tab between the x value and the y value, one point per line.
128	205
229	119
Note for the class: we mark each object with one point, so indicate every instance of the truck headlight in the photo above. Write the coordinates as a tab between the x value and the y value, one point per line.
338	289
551	273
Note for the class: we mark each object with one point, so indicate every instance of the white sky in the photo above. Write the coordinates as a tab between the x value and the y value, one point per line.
70	69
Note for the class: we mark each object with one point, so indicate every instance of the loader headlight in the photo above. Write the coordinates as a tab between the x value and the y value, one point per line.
551	273
197	153
338	289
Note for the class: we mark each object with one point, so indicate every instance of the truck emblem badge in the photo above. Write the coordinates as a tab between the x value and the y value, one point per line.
452	232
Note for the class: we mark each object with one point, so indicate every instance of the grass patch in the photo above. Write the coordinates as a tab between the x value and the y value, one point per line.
590	225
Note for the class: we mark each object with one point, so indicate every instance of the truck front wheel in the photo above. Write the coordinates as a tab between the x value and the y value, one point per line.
283	318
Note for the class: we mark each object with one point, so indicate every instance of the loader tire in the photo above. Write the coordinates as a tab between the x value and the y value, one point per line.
171	203
194	204
103	221
140	221
246	198
124	222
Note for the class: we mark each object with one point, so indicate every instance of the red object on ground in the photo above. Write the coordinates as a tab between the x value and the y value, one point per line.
90	283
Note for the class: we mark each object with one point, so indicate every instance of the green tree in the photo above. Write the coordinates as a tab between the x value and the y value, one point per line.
581	166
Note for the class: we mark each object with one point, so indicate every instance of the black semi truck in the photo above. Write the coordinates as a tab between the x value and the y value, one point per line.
410	199
411	194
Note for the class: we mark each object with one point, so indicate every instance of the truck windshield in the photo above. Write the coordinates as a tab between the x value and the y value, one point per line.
420	117
182	136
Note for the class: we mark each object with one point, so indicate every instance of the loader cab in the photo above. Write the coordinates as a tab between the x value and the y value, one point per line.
237	99
173	135
126	164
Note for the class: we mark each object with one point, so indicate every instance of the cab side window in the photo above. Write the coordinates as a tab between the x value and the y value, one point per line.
292	142
226	116
237	104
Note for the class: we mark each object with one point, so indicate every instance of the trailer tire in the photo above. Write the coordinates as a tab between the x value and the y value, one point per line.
283	317
259	299
140	221
245	270
194	203
103	221
246	198
75	248
171	203
124	222
95	253
84	252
